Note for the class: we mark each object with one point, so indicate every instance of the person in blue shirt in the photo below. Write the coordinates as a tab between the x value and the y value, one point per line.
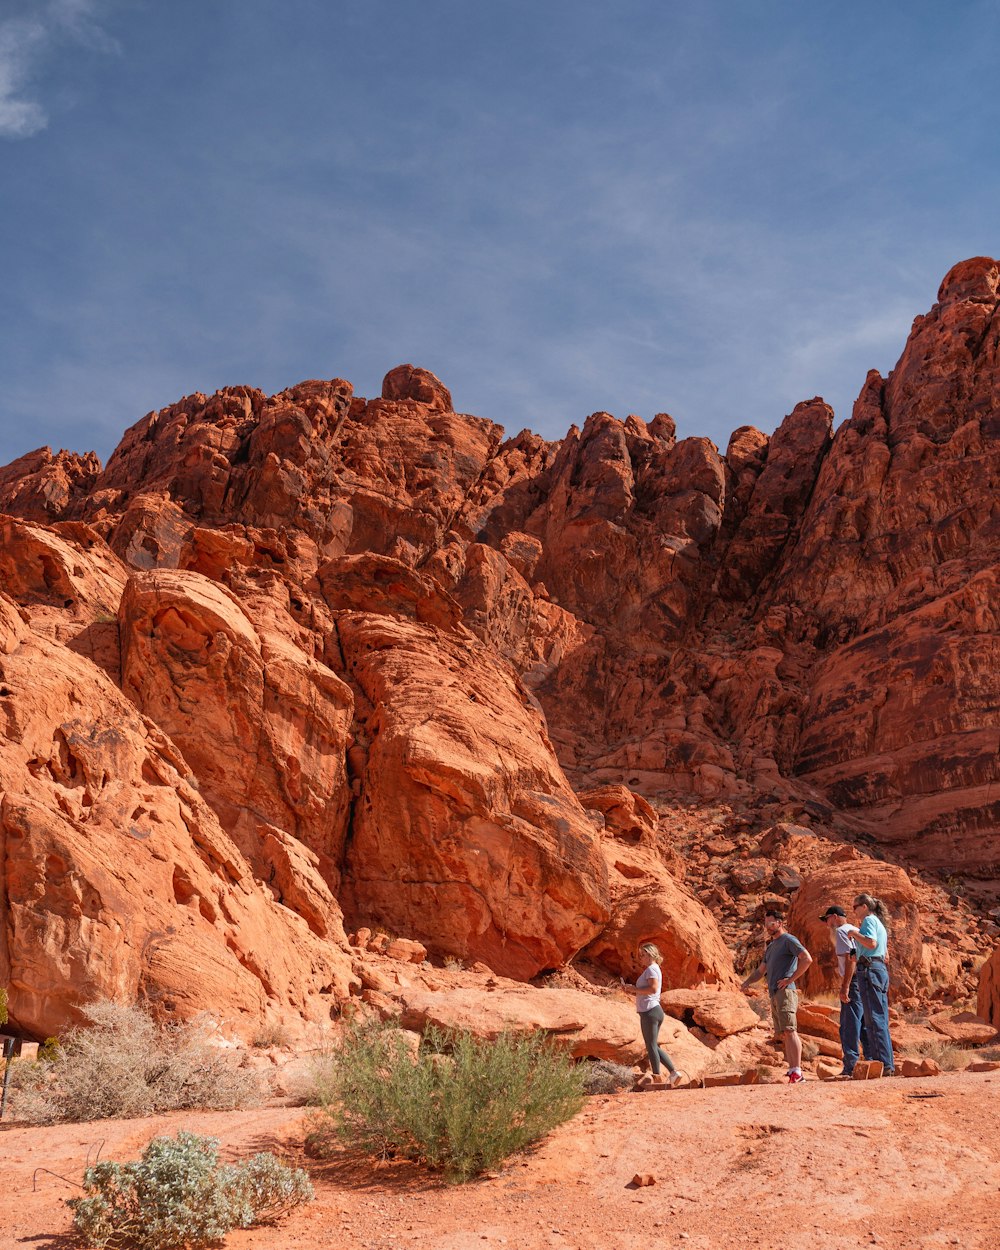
872	938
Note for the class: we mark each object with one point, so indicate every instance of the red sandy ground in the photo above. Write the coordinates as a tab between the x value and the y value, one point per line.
902	1164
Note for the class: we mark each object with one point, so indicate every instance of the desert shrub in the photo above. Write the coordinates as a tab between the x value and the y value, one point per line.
947	1056
269	1035
3	1006
179	1195
460	1105
604	1076
122	1064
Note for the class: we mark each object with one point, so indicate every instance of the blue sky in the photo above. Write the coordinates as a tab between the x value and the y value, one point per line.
708	209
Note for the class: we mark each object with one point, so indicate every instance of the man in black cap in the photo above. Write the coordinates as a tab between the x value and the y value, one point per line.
851	1014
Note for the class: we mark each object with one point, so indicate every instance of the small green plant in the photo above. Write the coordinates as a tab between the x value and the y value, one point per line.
460	1105
49	1051
3	1006
179	1195
122	1064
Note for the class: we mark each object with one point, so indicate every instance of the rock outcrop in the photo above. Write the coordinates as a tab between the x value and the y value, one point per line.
406	672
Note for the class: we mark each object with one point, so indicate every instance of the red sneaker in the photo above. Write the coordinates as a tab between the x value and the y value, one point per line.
795	1077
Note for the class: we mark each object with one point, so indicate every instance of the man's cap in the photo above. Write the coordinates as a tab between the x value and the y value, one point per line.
833	911
773	911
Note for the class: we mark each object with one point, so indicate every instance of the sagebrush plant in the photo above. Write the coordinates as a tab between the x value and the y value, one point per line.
604	1076
123	1064
3	1006
179	1195
947	1056
460	1105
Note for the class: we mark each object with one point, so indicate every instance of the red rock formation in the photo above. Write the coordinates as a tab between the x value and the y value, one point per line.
989	990
467	835
41	486
838	885
117	880
376	635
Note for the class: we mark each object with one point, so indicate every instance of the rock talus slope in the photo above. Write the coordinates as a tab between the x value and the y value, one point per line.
366	662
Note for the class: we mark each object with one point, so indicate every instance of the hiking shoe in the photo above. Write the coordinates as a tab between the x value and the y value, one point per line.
795	1077
677	1078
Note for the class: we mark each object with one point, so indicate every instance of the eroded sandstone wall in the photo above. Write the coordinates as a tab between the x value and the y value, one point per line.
386	651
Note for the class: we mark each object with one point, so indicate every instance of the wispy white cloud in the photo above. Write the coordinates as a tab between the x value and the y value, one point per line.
20	42
24	41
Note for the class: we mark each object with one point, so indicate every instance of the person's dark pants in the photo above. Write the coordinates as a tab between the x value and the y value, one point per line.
649	1022
874	985
852	1026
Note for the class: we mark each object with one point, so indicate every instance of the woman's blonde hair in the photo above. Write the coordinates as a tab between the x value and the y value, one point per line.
648	948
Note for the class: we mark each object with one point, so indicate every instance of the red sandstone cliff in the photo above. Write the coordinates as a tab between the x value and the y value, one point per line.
294	660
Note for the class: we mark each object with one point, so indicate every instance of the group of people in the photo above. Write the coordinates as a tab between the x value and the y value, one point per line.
861	950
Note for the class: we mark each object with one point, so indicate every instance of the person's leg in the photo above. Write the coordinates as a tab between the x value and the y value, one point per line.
879	980
665	1059
650	1027
850	1027
875	1002
784	1009
793	1050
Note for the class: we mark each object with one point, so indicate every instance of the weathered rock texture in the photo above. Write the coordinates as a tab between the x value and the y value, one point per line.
406	671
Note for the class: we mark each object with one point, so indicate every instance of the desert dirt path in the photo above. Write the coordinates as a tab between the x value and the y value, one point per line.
901	1164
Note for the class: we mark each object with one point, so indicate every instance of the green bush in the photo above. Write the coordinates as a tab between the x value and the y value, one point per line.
460	1105
3	1006
122	1064
179	1195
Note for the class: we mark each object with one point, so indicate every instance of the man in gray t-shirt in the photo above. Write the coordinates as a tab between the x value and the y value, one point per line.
785	960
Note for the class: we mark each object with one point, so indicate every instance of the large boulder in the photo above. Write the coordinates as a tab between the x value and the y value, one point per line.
466	835
262	726
649	905
118	881
988	999
717	1012
839	884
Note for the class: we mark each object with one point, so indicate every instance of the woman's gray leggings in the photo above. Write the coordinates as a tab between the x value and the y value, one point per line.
649	1022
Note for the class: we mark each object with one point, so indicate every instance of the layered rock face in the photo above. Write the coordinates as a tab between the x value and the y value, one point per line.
408	673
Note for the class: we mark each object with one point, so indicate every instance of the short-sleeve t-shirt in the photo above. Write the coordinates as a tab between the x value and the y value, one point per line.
781	959
650	980
872	927
843	945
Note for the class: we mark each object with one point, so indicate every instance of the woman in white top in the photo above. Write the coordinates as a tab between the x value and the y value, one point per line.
647	989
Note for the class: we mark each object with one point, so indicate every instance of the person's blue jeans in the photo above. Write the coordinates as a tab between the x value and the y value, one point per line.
852	1025
873	981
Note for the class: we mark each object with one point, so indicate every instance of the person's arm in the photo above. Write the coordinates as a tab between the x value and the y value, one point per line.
868	940
805	959
850	965
637	988
756	975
